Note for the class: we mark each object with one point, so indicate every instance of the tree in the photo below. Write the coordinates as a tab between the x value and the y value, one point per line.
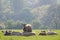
54	12
36	24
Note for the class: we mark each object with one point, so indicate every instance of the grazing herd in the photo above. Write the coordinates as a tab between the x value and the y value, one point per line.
27	31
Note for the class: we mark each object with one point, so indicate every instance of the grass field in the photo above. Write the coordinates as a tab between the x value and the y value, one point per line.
36	37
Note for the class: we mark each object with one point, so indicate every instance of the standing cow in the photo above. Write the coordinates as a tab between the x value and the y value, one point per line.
27	28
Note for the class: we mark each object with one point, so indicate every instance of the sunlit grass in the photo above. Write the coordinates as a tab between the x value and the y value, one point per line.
36	37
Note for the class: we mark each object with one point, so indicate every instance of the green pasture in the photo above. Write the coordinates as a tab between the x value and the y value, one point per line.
35	37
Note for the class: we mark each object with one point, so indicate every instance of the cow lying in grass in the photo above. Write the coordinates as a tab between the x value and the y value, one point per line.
51	33
42	33
28	33
48	33
6	33
16	33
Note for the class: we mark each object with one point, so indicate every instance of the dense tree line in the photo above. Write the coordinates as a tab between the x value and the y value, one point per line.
42	15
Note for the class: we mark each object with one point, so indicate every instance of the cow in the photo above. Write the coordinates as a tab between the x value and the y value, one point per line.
50	32
27	28
42	32
7	32
16	33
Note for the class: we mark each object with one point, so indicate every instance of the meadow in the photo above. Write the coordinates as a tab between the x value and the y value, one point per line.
35	37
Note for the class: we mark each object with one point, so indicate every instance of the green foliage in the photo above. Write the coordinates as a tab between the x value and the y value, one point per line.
54	13
10	24
36	24
15	12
